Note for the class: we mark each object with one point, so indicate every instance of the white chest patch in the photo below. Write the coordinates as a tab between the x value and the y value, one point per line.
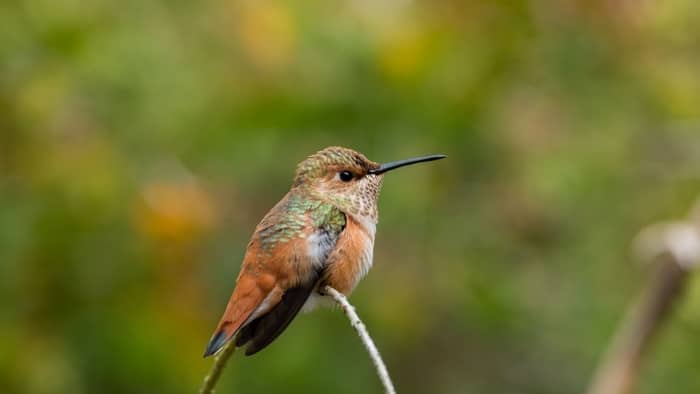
319	245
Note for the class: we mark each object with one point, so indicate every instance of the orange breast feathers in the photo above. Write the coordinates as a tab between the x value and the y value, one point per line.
351	258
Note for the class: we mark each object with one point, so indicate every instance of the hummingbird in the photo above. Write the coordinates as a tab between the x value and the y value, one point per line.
320	233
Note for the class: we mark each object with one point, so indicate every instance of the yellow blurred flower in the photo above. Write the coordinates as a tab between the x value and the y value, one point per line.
403	52
267	32
175	211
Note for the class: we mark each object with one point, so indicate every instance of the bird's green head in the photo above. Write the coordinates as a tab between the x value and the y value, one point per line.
346	178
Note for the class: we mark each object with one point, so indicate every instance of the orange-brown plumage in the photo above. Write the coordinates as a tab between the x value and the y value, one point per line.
320	233
265	276
350	259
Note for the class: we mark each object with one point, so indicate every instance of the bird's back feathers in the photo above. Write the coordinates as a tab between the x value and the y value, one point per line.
282	266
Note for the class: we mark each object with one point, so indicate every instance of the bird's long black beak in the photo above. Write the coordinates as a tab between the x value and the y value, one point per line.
396	164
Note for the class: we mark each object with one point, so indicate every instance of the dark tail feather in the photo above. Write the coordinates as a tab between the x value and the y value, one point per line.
247	332
265	329
217	342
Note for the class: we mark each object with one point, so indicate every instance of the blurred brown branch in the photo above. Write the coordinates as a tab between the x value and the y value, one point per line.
675	250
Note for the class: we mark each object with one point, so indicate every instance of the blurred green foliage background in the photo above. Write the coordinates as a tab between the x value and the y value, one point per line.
141	142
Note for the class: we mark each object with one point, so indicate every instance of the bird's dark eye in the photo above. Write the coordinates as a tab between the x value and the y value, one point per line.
345	176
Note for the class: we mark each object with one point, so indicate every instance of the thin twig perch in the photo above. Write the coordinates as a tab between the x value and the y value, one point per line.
219	363
357	324
675	248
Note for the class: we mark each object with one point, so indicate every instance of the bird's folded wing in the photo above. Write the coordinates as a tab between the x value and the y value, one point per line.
266	328
281	268
271	288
